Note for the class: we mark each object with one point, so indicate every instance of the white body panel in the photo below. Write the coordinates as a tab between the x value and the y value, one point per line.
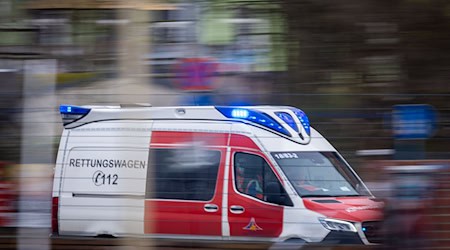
104	178
274	143
101	216
192	126
302	225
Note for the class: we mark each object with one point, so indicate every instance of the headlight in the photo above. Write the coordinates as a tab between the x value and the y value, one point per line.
337	225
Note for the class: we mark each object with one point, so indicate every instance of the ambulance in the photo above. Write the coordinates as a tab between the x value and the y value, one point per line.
250	173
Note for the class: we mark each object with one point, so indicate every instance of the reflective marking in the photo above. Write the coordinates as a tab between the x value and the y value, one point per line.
225	224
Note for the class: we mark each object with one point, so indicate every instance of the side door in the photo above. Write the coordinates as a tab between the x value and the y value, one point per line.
256	197
184	187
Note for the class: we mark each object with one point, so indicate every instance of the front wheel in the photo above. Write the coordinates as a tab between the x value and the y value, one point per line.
289	244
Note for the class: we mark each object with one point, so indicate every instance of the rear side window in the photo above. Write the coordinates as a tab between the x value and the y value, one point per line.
183	173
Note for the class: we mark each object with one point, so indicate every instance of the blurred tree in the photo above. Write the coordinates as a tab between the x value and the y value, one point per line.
368	55
349	61
10	103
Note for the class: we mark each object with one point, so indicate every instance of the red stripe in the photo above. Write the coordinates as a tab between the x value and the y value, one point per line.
242	141
175	137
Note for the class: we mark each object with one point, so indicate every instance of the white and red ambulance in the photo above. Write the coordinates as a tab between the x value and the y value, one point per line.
256	173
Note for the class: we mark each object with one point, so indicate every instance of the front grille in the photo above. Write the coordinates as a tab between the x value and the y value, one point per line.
372	230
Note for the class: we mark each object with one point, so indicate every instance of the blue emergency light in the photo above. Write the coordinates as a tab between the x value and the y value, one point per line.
303	119
68	109
71	113
288	119
239	113
253	116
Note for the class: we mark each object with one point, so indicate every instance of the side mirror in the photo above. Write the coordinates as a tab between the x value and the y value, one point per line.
273	193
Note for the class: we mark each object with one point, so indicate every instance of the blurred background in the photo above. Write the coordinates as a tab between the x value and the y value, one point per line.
373	77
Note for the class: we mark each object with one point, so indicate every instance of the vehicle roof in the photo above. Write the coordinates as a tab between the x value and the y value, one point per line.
285	121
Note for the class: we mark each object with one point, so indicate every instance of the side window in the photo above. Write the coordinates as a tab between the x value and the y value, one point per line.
253	176
183	173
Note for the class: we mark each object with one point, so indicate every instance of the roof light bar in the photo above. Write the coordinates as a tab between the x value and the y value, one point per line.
69	109
70	113
254	116
303	119
288	119
239	113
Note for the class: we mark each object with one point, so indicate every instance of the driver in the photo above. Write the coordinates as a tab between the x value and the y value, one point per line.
254	187
240	177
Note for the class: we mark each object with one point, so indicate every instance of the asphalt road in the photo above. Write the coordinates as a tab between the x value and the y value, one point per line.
38	238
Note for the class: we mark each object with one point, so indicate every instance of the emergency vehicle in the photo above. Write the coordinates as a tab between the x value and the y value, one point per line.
253	173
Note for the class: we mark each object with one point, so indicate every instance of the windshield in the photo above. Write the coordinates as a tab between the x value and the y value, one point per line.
319	174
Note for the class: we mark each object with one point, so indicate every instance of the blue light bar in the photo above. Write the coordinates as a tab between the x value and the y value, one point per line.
253	116
71	114
303	119
75	110
239	113
288	119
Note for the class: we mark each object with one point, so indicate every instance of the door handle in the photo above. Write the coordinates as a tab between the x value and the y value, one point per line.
211	208
237	209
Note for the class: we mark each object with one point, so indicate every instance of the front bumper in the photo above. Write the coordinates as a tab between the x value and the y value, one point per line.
336	237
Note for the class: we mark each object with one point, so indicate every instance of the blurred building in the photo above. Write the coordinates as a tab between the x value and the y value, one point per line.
345	67
83	35
244	40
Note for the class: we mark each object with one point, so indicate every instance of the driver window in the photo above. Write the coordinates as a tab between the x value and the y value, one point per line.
254	177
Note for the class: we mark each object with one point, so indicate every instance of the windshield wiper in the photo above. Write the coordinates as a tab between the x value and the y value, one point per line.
329	195
317	195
